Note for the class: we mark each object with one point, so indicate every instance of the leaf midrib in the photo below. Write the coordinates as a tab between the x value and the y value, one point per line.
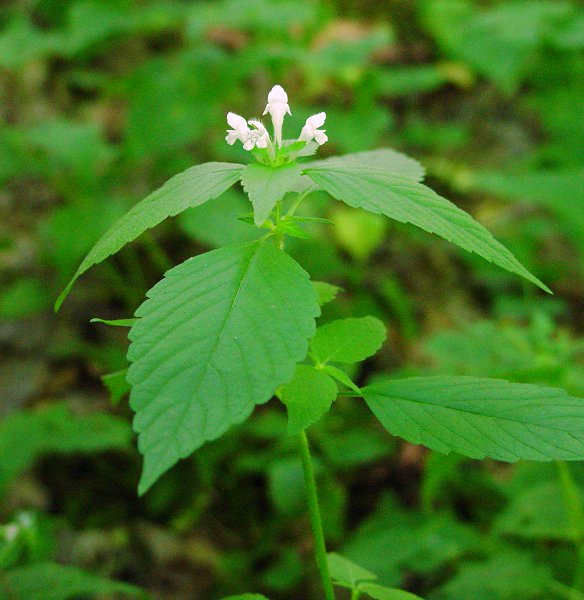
205	369
230	311
396	397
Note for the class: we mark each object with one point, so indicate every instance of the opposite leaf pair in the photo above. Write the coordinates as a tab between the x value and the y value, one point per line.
313	389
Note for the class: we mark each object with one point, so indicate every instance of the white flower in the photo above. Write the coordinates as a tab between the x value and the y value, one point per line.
240	130
311	129
277	106
258	137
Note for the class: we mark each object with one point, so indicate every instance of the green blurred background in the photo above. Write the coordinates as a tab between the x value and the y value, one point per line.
100	102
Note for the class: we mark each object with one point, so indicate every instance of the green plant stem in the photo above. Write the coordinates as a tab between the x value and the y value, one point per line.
315	518
575	511
278	216
350	395
298	201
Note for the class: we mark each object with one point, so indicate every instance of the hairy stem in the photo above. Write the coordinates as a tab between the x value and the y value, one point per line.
315	518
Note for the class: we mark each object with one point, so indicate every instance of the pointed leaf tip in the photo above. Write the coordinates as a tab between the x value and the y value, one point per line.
190	188
407	201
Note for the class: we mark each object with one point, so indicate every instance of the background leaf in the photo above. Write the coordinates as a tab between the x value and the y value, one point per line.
201	361
392	541
26	435
506	576
207	223
481	417
51	581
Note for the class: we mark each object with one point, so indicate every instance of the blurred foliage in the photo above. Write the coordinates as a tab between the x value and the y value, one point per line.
101	101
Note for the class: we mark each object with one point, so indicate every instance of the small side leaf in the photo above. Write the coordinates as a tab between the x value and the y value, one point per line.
346	573
114	322
408	201
327	292
217	335
481	417
307	397
190	188
266	185
117	385
26	435
380	592
348	340
341	377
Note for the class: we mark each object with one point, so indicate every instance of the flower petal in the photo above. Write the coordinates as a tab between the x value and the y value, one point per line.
277	94
258	125
321	137
317	120
238	123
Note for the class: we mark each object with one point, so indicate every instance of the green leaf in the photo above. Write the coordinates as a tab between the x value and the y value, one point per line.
190	188
385	159
348	340
346	573
52	581
117	385
266	185
26	435
481	417
307	397
407	201
326	291
292	228
218	335
341	377
114	322
380	592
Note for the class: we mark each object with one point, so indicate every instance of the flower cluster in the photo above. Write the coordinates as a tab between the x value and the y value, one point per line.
258	137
